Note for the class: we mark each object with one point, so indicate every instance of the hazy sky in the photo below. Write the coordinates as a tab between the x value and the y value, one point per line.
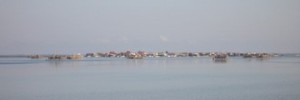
70	26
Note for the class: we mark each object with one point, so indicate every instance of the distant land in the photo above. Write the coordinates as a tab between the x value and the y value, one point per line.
29	55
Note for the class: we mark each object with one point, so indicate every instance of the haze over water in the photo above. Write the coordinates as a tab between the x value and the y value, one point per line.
83	26
150	79
68	26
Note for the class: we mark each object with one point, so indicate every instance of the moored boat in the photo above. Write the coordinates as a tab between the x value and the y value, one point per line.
56	57
36	56
220	58
75	56
134	56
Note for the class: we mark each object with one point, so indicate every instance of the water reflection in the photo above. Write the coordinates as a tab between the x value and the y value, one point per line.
55	63
262	59
96	62
143	62
179	78
133	62
220	61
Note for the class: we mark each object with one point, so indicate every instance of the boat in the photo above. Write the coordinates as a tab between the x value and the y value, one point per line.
263	55
134	56
248	55
220	58
74	56
36	56
56	57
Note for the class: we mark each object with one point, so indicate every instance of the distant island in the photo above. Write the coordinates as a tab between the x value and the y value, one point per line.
143	54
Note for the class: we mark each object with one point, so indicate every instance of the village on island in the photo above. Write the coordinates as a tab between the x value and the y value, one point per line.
215	56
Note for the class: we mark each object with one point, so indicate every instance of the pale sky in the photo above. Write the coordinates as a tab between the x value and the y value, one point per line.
71	26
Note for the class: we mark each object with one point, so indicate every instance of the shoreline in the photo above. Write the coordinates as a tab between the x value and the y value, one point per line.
149	54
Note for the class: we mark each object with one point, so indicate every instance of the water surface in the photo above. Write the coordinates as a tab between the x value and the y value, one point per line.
196	78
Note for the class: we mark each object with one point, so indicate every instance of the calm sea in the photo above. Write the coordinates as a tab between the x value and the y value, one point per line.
197	78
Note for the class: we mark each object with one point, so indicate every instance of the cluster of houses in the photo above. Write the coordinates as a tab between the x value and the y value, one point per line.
176	54
142	54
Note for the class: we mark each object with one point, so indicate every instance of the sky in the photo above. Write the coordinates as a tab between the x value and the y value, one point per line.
81	26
